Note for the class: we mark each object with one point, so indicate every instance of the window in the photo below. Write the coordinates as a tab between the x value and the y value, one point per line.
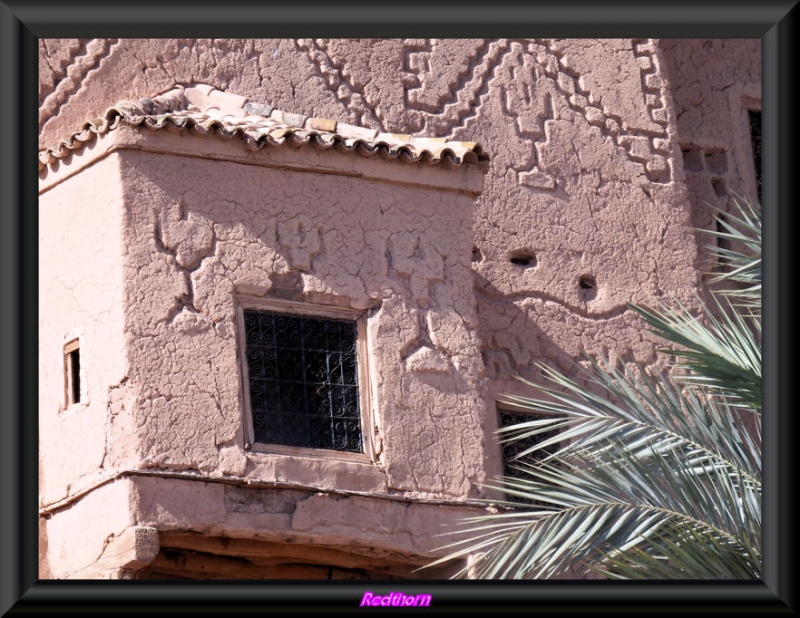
302	377
511	450
755	139
72	372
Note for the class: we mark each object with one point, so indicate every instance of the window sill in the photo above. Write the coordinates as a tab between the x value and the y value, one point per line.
311	453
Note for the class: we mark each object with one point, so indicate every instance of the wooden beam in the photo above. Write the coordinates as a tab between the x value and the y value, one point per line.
135	548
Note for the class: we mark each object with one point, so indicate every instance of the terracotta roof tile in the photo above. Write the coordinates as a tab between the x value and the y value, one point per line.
202	110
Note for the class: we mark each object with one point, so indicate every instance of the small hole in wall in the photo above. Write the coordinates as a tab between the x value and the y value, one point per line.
523	257
588	287
477	256
719	187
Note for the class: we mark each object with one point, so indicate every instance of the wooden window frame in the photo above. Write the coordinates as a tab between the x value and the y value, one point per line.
71	349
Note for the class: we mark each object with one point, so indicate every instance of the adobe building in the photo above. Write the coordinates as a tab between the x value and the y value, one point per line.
284	283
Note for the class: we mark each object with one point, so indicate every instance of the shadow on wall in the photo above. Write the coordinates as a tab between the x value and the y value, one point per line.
513	345
512	341
717	109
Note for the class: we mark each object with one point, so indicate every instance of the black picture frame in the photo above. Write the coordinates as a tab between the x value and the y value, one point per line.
23	22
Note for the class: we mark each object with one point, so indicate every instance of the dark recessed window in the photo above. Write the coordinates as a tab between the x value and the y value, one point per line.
755	138
303	381
512	450
72	372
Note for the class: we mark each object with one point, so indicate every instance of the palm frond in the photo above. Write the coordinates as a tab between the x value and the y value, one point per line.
743	266
629	478
724	356
649	474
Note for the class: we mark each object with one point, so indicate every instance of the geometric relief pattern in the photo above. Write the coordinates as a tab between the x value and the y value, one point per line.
303	381
69	80
649	147
441	85
443	82
443	101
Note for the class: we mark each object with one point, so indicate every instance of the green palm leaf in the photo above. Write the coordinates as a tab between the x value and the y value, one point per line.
650	474
743	266
724	356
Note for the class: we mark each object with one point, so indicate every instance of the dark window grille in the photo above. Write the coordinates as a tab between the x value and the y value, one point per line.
755	139
513	449
303	378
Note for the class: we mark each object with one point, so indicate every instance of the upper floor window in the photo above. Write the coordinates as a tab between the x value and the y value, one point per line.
302	377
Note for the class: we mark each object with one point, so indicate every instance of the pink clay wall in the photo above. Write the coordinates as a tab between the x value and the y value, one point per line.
586	169
201	233
81	247
201	225
604	155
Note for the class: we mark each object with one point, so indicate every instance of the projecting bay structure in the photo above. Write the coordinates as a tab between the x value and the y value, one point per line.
254	331
278	308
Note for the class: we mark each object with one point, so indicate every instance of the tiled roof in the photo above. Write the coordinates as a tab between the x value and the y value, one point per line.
203	110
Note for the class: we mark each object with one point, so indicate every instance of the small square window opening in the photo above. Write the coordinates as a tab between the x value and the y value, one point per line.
302	375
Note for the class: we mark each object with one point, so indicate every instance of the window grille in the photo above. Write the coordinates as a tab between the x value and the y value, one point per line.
303	380
512	449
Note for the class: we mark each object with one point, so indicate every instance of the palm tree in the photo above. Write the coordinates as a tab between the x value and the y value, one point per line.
652	474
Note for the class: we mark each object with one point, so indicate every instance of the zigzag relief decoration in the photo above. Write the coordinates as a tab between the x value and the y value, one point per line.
334	75
93	53
53	69
655	97
422	54
443	84
423	110
442	110
428	106
649	148
525	97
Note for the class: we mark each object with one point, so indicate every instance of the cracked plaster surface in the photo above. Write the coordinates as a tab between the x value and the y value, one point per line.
720	81
195	243
366	526
603	155
571	125
86	304
581	135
